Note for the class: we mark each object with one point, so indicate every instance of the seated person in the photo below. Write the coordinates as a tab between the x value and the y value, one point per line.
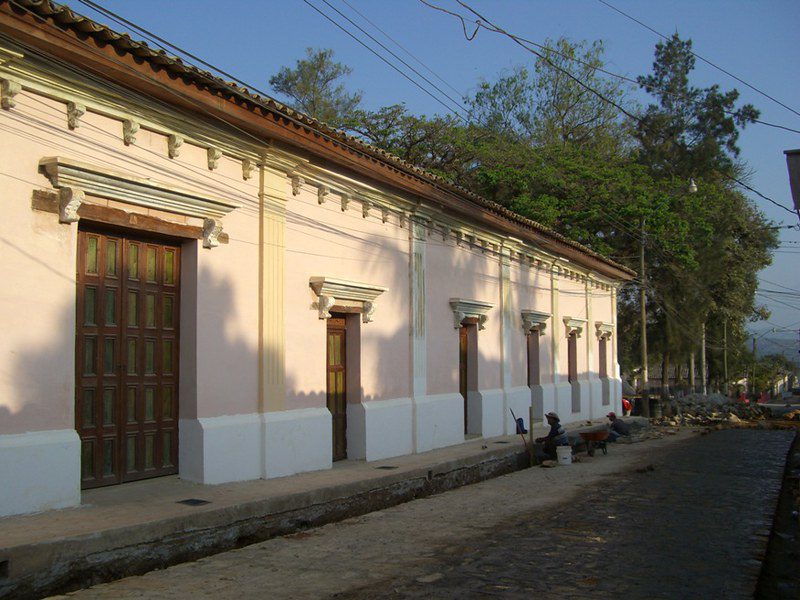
545	447
617	427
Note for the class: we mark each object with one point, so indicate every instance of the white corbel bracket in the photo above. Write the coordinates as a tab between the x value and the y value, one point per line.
322	192
174	143
297	184
69	201
213	155
9	89
248	166
351	294
129	130
603	330
212	228
464	308
74	113
534	320
574	325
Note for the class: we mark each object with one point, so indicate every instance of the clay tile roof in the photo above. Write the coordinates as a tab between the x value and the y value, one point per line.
66	19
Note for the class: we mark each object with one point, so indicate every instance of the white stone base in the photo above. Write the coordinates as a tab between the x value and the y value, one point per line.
518	399
563	400
543	401
220	449
297	441
380	429
606	395
485	413
596	407
616	395
39	471
230	448
439	421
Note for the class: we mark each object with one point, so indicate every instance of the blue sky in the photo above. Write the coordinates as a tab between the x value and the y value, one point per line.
757	41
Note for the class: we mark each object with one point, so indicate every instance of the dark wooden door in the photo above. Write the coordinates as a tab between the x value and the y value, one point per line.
533	358
463	367
603	357
337	370
572	357
126	367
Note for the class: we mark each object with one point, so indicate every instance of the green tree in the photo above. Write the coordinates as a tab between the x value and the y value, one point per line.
689	131
315	86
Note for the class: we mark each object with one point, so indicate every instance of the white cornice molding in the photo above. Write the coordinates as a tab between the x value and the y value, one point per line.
574	325
330	290
65	173
464	308
603	330
534	319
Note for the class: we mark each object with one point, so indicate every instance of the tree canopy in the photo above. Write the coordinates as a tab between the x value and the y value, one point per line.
559	142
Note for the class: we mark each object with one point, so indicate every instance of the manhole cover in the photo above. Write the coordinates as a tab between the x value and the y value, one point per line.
386	467
193	502
501	442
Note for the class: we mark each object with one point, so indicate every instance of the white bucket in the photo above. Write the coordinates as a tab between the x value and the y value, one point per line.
564	454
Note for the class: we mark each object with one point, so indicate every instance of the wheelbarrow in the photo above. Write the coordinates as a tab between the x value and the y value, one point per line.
595	439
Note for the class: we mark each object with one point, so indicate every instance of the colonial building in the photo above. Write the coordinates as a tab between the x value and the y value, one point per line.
200	281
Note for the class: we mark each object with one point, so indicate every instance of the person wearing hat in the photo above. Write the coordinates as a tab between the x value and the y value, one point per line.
617	427
545	447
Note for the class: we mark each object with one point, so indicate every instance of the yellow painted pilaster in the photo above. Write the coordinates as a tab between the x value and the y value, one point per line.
273	190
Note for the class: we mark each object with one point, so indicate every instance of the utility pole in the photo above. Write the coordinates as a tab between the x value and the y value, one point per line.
643	302
725	356
703	371
753	386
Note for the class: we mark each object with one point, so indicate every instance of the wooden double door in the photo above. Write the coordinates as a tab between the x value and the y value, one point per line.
126	366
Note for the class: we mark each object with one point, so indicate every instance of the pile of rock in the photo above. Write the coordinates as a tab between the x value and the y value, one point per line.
711	409
792	415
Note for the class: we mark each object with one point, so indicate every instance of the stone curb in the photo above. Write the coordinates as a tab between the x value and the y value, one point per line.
77	562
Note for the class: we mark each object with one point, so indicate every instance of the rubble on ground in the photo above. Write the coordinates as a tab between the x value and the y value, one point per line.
711	409
792	416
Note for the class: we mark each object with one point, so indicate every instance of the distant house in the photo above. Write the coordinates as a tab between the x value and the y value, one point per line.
203	282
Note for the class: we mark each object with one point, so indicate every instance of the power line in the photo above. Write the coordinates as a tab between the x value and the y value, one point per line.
437	88
403	48
708	62
580	61
520	42
449	109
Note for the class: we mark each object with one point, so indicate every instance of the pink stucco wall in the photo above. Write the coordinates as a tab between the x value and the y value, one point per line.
460	272
322	240
37	347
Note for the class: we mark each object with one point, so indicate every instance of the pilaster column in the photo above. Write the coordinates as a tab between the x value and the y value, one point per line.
614	354
555	336
590	340
506	325
418	318
273	190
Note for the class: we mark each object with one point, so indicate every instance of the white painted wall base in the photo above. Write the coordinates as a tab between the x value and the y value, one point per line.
439	421
39	470
563	400
379	429
518	399
581	391
220	449
491	411
543	401
296	441
596	407
616	395
606	393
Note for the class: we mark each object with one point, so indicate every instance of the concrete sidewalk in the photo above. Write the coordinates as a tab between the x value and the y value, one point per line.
137	527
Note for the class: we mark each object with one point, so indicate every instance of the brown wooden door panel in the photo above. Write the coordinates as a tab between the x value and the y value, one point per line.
337	384
126	357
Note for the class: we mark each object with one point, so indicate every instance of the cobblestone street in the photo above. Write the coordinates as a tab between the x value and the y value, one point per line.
671	518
